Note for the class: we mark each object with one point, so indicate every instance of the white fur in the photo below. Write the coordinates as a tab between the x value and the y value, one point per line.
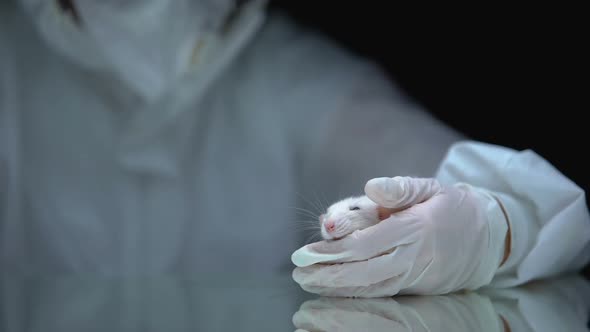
347	221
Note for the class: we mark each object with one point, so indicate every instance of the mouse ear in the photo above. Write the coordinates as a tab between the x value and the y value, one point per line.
385	213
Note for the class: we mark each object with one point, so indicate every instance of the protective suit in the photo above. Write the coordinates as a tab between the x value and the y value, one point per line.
151	137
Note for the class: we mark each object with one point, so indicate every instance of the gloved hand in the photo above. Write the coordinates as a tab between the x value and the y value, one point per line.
446	239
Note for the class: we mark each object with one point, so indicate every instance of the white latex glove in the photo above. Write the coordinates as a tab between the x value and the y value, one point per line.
449	238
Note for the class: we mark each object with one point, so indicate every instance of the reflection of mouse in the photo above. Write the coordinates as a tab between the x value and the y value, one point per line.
351	214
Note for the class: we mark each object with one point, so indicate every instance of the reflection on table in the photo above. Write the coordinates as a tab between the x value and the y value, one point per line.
561	304
170	304
276	303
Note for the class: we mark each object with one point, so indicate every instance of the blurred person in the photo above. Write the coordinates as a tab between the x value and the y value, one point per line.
176	136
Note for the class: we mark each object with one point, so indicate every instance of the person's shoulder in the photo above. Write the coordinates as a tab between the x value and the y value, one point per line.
284	34
288	49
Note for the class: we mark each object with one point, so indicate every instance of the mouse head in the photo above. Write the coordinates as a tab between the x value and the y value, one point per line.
349	215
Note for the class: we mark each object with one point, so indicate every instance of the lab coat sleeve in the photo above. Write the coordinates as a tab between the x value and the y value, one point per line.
546	211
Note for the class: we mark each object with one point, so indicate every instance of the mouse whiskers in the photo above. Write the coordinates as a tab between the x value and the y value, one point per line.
314	205
323	205
306	213
305	225
314	237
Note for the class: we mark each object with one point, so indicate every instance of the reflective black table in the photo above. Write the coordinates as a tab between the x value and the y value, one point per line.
276	303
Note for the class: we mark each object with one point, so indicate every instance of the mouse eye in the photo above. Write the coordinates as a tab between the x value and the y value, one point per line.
353	208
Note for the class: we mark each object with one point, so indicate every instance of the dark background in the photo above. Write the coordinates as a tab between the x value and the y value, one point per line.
508	76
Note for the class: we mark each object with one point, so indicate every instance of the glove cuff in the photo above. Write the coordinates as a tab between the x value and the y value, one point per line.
522	236
497	228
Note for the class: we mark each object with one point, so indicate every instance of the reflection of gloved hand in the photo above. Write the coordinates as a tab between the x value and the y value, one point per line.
448	238
550	305
466	312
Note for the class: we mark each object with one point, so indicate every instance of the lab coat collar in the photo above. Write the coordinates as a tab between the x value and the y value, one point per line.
76	43
141	147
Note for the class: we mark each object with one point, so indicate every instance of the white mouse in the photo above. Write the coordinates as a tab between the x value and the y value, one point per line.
351	214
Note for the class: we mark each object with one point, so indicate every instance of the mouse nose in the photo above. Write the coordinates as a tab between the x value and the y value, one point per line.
330	225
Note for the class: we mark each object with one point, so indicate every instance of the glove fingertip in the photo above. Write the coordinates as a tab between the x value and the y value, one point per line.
299	258
385	191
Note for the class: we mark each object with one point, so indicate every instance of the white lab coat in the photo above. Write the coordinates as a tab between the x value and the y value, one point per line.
204	178
547	212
